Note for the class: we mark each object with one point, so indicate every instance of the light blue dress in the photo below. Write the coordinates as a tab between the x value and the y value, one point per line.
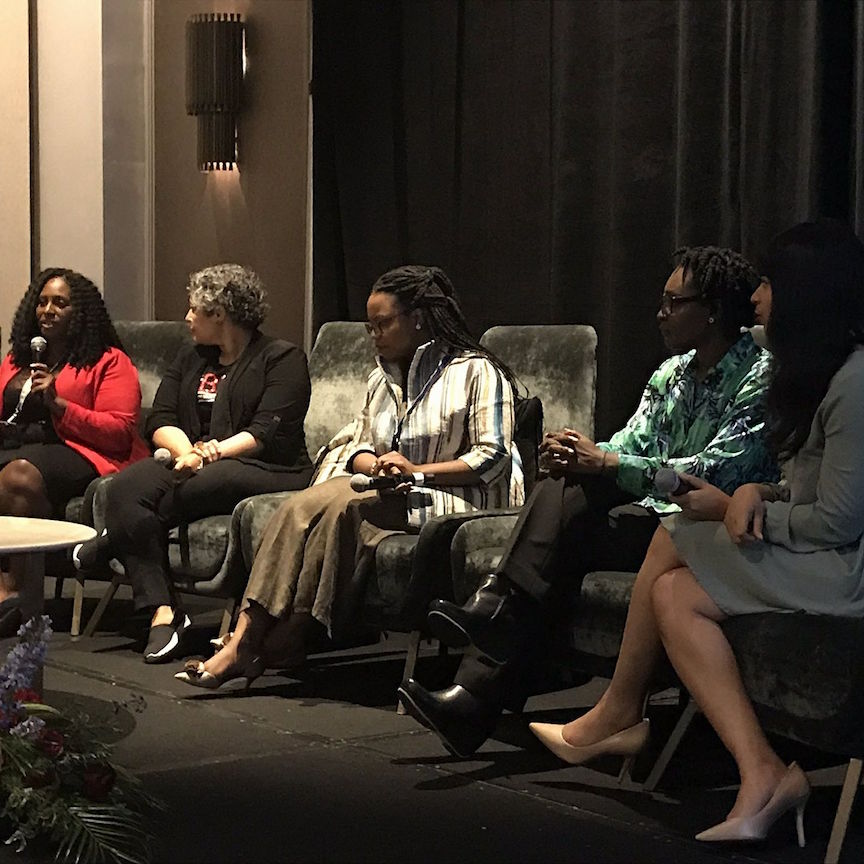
812	557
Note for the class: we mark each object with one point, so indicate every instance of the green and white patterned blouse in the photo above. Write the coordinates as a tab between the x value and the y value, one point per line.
714	428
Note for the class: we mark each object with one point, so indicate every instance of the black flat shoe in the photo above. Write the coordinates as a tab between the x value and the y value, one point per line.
164	640
461	720
93	554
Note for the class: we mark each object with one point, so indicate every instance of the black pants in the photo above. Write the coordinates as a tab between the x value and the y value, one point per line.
146	499
65	472
563	532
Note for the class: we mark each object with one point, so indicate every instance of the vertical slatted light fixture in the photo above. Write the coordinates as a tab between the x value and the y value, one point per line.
214	80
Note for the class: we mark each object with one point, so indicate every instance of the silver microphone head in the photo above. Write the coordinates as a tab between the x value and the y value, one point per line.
666	481
38	344
360	482
162	455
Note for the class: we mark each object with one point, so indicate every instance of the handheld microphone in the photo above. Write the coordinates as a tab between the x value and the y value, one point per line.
163	456
38	344
760	337
363	482
668	482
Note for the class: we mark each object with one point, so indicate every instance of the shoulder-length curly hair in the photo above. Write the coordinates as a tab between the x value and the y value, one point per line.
90	332
236	289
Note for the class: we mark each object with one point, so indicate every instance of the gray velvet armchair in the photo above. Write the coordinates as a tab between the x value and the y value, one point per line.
207	557
212	557
152	346
813	693
802	672
556	363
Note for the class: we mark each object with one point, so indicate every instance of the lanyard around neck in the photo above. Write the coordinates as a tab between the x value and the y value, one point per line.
26	387
397	435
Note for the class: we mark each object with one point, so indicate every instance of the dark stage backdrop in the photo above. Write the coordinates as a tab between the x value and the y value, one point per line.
551	155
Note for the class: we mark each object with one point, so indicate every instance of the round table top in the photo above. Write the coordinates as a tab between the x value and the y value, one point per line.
22	534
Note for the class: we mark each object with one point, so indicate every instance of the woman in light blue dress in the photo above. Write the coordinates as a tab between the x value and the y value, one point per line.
767	548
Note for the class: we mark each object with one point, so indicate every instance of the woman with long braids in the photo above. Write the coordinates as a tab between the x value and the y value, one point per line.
788	547
70	406
437	403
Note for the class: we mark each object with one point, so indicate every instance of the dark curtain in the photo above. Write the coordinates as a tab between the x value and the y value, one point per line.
551	155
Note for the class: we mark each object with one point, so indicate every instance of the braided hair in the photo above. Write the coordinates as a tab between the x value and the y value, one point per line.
90	332
725	279
430	290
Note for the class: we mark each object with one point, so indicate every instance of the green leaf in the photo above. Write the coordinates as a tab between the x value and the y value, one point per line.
101	834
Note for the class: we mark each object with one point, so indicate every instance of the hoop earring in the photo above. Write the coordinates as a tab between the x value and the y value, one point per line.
710	319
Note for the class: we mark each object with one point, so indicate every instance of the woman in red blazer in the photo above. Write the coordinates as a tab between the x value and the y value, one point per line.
69	403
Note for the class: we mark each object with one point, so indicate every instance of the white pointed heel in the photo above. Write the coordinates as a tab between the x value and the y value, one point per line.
628	742
791	793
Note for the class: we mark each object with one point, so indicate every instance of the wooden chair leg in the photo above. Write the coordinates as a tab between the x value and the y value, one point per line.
77	607
670	747
844	808
106	598
410	662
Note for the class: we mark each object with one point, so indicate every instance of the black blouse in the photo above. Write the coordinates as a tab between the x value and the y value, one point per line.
266	393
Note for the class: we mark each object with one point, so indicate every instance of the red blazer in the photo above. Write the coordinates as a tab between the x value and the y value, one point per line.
101	418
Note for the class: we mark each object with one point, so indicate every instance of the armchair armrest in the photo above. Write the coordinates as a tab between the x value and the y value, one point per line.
476	550
431	577
253	514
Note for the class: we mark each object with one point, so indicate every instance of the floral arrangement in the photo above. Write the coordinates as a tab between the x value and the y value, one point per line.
56	779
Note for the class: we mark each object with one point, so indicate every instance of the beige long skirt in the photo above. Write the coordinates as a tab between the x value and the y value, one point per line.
317	544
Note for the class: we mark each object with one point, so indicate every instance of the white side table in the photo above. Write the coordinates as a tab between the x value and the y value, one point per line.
31	539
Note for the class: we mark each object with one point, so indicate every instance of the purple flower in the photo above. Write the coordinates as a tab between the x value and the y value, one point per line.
22	665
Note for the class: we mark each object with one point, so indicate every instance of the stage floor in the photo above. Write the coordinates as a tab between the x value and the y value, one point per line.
320	768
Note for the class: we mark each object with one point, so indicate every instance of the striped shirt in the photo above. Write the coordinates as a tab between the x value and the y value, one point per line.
457	405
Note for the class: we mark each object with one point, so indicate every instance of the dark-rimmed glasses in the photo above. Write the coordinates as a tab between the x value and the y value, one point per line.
670	302
378	325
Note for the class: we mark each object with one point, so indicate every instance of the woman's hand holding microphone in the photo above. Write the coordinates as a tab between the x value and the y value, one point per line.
42	381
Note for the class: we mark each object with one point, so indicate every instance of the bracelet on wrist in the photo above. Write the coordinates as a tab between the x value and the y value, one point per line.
603	463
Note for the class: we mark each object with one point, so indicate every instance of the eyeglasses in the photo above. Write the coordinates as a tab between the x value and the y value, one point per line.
670	302
380	324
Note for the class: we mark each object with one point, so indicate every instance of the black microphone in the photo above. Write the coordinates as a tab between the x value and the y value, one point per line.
668	482
363	482
38	344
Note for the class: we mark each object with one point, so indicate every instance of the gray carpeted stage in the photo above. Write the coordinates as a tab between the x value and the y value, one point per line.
321	768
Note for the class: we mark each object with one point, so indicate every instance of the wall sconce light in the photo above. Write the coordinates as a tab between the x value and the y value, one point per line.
214	80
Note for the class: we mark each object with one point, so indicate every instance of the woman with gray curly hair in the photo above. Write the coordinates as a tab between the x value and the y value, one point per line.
228	418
